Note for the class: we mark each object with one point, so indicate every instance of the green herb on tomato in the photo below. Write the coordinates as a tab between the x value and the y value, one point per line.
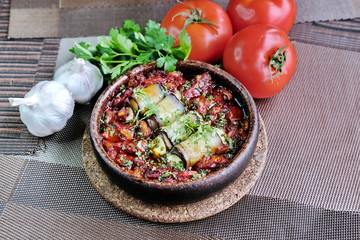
131	46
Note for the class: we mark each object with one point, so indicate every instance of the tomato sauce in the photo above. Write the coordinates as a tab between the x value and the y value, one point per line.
128	135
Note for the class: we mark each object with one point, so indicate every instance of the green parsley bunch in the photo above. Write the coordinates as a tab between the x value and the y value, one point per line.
131	46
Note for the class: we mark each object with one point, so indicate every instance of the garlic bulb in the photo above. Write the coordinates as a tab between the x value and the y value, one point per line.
46	108
81	78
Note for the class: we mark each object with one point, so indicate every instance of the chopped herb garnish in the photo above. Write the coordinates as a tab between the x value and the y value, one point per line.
230	141
202	173
210	97
127	163
187	85
165	175
122	88
179	166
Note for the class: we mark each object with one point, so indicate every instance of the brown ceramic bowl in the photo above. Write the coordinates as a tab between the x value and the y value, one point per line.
175	193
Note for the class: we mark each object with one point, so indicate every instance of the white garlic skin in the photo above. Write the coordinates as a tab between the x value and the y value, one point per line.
46	108
81	78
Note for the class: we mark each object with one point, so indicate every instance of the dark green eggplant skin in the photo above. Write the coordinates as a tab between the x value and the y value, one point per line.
184	192
153	123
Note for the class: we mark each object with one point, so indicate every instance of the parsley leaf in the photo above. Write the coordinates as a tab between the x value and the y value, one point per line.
167	62
183	50
83	50
170	64
131	45
129	28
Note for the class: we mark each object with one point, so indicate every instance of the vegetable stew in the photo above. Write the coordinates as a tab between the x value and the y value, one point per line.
168	127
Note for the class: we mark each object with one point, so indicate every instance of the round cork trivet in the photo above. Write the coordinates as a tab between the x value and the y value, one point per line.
180	212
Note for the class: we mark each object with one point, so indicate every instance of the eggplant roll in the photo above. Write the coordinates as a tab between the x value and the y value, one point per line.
201	143
160	145
143	98
166	112
174	133
182	127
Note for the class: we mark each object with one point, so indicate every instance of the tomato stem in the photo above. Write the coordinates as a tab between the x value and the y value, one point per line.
277	62
194	17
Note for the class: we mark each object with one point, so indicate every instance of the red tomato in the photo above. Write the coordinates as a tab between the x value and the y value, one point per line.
208	40
248	54
280	13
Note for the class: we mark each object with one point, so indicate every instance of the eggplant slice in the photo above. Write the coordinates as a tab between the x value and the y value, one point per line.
201	143
167	111
160	145
182	127
143	98
174	133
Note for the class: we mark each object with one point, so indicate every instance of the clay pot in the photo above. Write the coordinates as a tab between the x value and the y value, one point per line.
183	192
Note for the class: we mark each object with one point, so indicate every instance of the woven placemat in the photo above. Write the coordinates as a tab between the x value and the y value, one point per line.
181	212
66	18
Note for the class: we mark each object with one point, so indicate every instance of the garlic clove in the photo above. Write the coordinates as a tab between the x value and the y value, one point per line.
81	78
46	108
